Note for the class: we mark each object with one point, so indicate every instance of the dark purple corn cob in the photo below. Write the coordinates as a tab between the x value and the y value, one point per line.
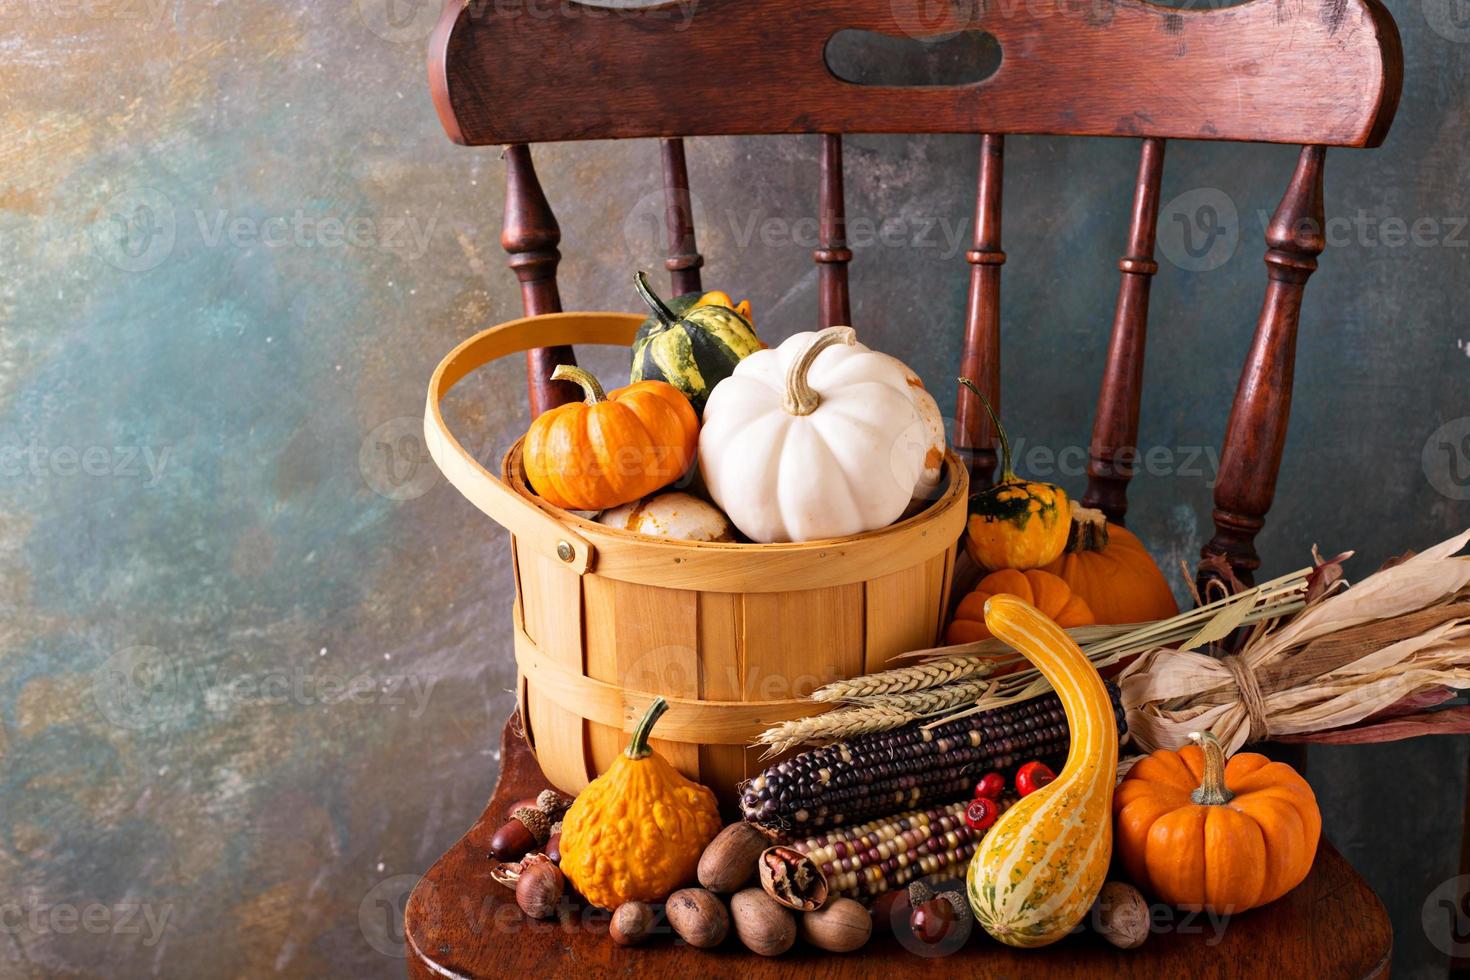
908	768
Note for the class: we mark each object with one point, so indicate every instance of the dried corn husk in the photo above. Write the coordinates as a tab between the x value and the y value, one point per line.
1400	632
1322	663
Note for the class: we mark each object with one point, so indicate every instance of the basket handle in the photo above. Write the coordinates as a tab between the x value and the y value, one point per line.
532	526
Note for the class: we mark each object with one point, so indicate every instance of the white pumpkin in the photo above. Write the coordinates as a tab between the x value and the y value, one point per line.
930	431
671	515
811	440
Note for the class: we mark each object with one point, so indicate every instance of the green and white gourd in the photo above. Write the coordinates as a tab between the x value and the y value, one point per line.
692	349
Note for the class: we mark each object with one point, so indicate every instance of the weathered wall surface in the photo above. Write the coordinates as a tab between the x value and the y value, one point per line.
254	654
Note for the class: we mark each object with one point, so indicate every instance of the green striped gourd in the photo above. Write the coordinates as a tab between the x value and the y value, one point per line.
693	349
1040	867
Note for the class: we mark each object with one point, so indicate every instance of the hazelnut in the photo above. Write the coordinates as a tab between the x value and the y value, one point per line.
632	923
1121	915
539	890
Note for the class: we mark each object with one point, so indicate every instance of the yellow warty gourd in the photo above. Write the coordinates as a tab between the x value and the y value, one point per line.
637	831
1039	868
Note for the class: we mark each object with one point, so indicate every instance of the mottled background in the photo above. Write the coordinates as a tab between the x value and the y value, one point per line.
254	653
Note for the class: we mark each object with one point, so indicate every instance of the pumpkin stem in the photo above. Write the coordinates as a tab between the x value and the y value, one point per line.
638	748
660	309
801	397
591	390
1212	791
1007	475
1089	530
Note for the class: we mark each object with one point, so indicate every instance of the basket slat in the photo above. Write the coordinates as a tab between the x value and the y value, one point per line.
722	662
551	600
645	639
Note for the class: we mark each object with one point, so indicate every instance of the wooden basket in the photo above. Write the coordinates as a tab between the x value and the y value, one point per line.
733	635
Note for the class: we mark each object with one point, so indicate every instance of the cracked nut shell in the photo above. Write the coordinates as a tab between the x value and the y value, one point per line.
792	879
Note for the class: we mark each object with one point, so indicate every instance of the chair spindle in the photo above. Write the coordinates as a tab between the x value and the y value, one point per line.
832	254
1115	424
975	437
531	235
684	260
1256	433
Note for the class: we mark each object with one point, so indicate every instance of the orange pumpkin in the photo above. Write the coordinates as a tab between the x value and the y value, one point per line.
1043	590
1108	566
1204	834
612	448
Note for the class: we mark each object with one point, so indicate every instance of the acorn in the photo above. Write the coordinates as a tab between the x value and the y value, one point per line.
527	829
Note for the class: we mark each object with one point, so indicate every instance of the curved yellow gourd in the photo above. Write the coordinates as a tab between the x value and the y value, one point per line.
1040	867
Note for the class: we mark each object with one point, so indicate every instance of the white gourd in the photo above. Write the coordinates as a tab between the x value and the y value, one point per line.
671	515
813	439
930	430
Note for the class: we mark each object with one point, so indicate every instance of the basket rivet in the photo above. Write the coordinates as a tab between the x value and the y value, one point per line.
565	551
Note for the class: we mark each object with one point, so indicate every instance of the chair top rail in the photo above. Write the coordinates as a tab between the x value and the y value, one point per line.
1283	71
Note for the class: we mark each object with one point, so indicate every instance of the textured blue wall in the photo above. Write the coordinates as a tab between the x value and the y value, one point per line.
254	653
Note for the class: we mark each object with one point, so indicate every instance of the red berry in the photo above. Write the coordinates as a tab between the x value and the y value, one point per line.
981	812
1032	776
991	785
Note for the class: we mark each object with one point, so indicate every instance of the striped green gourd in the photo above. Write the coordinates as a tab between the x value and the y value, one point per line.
1040	867
692	349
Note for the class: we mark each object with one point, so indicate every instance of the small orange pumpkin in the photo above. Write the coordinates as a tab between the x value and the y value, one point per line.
1043	590
1206	834
613	448
1108	566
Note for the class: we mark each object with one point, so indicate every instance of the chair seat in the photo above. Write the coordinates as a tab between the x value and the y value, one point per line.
460	923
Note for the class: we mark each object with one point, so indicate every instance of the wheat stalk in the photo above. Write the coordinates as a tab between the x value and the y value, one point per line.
877	713
931	673
931	699
833	726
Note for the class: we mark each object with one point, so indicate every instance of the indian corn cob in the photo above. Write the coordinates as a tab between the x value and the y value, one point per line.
866	861
907	768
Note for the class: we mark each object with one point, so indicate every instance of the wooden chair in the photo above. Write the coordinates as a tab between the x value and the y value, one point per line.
1313	73
1318	74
